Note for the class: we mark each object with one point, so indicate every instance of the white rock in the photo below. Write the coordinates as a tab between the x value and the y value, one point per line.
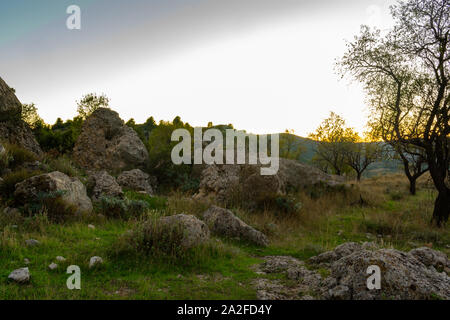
53	266
60	259
26	261
91	226
95	261
21	275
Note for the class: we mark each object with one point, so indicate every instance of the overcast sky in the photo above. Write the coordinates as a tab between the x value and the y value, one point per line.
262	65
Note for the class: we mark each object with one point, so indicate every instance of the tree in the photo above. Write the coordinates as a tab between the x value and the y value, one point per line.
332	136
290	147
359	155
406	75
414	163
91	102
30	115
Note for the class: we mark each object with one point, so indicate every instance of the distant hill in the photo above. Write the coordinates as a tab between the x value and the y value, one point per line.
309	146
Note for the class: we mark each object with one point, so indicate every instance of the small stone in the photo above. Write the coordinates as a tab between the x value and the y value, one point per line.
32	242
340	232
53	266
26	261
91	226
95	261
60	259
21	275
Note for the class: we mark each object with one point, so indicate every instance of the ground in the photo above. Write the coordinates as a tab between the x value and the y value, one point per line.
379	209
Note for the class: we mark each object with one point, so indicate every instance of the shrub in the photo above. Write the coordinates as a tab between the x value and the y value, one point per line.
151	238
121	208
8	186
17	155
63	164
156	203
52	204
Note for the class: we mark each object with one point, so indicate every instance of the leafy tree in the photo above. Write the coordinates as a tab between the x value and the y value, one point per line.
414	163
30	115
290	147
360	154
332	136
91	102
160	147
406	73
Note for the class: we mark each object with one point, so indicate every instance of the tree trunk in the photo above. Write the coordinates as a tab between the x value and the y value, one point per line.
358	176
442	207
412	186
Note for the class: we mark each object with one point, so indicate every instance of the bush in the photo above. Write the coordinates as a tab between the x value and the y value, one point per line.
151	238
121	208
52	204
63	164
16	156
8	186
156	203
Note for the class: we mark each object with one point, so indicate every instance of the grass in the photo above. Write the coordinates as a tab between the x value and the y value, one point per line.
222	269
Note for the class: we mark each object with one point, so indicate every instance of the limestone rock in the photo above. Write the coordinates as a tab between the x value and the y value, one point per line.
223	222
195	231
74	192
12	128
95	261
402	277
136	180
21	275
10	106
103	184
245	182
107	143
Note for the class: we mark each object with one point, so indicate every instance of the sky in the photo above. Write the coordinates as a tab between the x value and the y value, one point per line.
262	65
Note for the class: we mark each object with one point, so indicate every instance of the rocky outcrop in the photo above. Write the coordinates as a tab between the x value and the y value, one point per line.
402	277
136	180
246	183
12	129
224	223
10	106
415	275
107	143
103	184
73	191
193	231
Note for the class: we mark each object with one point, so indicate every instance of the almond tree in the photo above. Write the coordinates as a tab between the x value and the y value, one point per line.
406	75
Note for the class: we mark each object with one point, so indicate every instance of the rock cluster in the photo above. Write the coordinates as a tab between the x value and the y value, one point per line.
417	275
246	183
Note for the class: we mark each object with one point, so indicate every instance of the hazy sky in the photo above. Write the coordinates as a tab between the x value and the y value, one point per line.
262	65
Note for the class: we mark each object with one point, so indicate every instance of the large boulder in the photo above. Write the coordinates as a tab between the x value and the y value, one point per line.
403	277
224	223
103	184
10	106
107	143
136	180
193	231
245	182
73	191
12	129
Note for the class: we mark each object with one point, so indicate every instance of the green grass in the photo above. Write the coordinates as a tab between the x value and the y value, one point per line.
222	269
